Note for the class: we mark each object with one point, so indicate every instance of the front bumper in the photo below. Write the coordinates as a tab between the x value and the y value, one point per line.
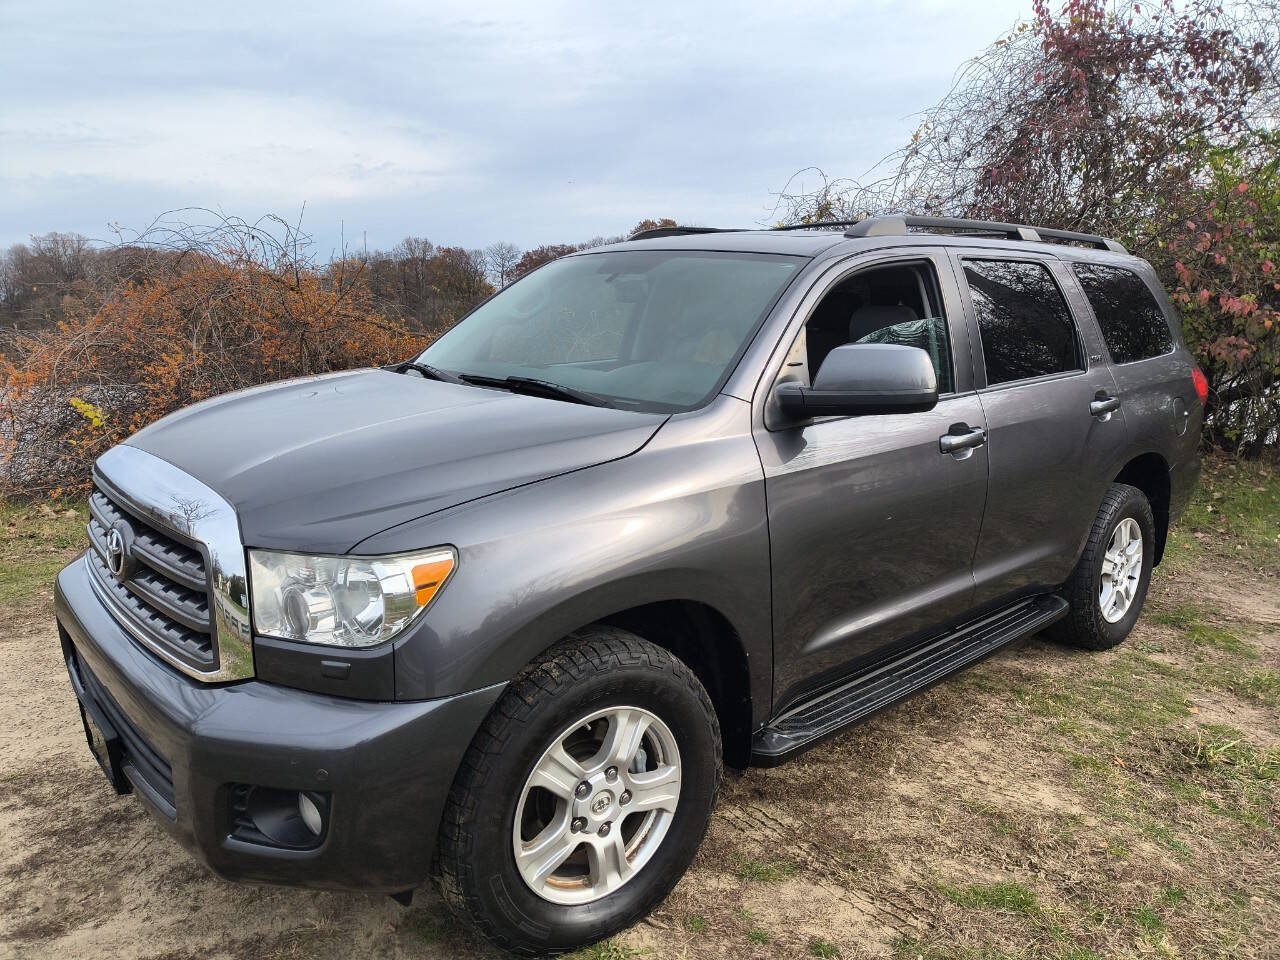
386	766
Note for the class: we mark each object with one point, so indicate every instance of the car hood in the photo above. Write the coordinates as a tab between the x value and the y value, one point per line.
321	463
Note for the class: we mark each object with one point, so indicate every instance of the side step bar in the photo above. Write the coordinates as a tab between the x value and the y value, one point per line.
810	722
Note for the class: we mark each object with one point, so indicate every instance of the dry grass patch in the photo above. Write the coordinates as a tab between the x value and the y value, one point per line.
37	541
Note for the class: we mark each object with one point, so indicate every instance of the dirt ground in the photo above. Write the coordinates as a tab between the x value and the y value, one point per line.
1048	803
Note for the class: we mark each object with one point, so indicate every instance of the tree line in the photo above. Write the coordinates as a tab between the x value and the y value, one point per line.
423	285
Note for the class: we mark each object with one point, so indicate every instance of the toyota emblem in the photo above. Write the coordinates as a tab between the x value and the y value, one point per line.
117	553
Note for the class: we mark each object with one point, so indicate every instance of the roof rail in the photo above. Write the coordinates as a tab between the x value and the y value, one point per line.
897	225
818	224
657	232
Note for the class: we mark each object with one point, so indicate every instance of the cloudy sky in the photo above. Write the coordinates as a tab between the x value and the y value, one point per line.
465	123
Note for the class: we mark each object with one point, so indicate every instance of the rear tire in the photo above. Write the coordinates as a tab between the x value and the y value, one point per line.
543	776
1109	584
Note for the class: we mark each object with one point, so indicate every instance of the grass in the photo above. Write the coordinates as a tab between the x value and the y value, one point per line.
1164	835
754	933
429	924
1180	616
1204	635
1147	919
912	948
1237	504
1190	621
604	950
1145	767
1008	896
695	923
822	948
998	818
37	540
1172	896
1224	751
764	871
1132	695
1261	687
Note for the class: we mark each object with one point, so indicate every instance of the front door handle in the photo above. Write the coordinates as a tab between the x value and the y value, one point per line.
961	436
1102	404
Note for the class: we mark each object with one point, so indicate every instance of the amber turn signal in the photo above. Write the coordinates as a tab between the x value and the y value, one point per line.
429	577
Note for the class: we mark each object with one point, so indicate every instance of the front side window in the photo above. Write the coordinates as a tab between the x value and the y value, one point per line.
1026	327
899	303
645	329
1132	323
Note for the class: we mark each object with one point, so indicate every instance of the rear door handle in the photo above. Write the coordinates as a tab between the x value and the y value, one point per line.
961	436
1103	404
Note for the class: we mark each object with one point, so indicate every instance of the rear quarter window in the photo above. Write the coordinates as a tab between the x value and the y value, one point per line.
1133	325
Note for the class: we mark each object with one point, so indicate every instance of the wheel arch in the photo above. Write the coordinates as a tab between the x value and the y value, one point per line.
695	630
1149	472
707	642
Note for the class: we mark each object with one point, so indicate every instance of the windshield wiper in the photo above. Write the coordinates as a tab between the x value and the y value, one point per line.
428	371
538	388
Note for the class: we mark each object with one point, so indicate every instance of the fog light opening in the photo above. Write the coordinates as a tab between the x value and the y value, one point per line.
310	814
291	819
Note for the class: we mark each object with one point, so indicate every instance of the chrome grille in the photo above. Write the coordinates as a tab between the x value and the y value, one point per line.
164	591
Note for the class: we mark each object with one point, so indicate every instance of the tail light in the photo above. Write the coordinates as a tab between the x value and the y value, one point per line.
1201	383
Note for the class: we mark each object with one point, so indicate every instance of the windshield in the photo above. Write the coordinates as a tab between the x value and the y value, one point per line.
650	330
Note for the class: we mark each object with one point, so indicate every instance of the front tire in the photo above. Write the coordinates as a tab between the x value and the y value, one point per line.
583	797
1109	584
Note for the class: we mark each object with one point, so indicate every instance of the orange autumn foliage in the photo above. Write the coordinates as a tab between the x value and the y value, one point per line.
189	325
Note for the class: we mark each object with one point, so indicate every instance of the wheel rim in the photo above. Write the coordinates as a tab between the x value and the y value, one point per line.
1121	570
597	805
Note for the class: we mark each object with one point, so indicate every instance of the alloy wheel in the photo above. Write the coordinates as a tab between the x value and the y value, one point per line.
1121	570
597	805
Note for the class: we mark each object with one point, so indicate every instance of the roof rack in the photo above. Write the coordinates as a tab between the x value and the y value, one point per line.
819	224
657	232
897	225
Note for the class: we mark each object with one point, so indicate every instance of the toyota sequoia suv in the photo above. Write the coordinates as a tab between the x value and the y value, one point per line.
499	614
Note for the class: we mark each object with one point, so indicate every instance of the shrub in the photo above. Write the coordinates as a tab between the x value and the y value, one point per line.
208	311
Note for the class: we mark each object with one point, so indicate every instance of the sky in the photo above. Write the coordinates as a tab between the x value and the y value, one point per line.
464	123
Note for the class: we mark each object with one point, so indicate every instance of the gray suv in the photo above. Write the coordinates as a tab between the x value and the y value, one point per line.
500	613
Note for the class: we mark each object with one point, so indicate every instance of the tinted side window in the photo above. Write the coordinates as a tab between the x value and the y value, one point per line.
1132	322
1026	328
900	304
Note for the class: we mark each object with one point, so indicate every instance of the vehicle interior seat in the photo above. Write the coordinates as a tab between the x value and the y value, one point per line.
899	324
871	317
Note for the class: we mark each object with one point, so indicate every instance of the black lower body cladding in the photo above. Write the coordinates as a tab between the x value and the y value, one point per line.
384	768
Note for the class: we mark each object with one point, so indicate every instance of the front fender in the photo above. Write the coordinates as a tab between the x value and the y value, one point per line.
683	519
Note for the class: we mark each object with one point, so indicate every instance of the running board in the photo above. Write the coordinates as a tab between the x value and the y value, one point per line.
831	711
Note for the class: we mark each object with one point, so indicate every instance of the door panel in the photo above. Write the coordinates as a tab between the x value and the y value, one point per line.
1051	462
872	530
872	527
1052	455
1152	374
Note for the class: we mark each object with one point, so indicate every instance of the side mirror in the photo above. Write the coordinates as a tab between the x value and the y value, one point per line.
864	378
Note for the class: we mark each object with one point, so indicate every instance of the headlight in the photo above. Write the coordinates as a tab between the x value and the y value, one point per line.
343	601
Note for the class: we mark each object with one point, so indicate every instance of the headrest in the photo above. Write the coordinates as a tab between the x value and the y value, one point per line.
874	316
